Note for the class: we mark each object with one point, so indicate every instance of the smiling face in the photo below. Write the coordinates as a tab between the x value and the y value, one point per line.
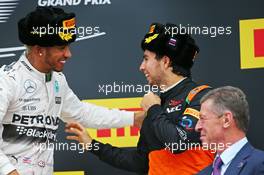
55	57
152	68
210	125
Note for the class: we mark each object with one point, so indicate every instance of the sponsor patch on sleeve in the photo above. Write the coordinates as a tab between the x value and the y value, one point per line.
193	112
194	92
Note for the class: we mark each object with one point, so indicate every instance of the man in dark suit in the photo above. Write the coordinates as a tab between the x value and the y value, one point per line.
223	123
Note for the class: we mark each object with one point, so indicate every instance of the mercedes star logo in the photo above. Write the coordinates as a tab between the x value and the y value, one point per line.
30	86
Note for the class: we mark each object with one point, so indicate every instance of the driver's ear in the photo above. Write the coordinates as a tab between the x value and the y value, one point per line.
166	61
38	50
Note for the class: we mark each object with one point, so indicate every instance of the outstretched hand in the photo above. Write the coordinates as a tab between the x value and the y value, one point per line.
80	133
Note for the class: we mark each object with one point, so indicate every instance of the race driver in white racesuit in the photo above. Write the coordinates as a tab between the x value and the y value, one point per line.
34	95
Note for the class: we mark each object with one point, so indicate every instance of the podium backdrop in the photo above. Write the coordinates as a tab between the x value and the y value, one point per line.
107	55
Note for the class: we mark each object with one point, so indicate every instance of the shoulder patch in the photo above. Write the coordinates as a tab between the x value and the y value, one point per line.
194	92
7	68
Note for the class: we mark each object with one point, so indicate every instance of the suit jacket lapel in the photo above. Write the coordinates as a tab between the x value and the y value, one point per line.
240	160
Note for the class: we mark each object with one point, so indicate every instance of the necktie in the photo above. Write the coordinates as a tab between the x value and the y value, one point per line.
217	166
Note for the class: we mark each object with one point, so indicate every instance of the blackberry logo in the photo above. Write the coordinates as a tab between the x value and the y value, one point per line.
21	130
36	132
13	133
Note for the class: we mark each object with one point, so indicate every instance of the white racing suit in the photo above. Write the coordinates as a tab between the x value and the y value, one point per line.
30	108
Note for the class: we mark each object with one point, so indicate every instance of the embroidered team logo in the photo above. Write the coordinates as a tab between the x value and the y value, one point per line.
30	86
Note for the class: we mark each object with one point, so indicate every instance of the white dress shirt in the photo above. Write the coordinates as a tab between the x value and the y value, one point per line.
228	155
